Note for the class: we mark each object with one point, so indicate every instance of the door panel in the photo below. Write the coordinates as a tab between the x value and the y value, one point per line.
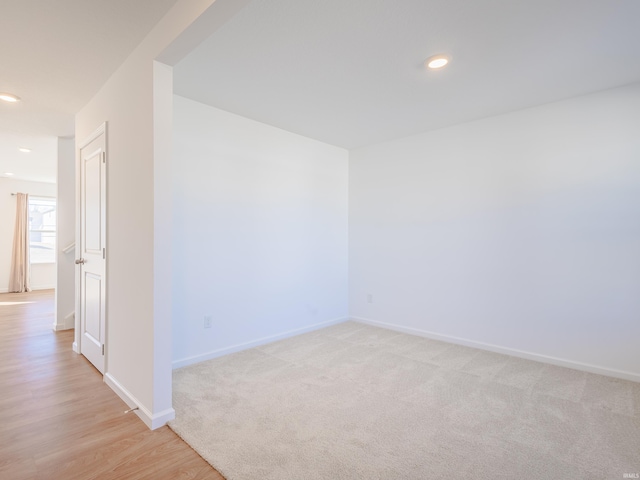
92	314
92	178
92	261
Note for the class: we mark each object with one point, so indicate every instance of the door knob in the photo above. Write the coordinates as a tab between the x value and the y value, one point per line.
81	261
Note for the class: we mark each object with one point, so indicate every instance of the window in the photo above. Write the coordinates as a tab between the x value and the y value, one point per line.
42	229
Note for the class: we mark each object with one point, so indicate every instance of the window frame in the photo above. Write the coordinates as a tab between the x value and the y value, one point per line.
36	198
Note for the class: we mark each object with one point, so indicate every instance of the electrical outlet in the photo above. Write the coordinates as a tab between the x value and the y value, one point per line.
369	298
207	321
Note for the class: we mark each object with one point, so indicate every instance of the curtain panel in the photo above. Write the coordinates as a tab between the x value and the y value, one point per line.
19	280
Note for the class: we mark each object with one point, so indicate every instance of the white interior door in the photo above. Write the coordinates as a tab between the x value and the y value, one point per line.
92	251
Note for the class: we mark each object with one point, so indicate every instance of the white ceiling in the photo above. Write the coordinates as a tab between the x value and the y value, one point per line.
347	73
56	55
350	73
39	165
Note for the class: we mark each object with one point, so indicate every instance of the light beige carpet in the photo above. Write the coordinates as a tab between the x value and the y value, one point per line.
358	402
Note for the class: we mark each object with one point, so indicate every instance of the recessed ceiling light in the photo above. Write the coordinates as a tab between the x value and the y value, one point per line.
9	97
8	174
437	61
24	149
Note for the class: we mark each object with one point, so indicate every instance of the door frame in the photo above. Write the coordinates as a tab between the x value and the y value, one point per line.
101	130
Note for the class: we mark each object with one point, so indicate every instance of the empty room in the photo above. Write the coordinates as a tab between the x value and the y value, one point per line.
387	270
354	240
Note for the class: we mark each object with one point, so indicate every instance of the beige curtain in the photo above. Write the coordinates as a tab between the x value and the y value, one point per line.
20	268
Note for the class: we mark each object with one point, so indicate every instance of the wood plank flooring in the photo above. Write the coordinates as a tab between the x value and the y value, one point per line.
58	420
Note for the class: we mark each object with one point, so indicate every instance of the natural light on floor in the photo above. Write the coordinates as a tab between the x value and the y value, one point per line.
6	304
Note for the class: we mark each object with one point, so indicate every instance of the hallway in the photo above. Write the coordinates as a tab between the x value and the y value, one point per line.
58	420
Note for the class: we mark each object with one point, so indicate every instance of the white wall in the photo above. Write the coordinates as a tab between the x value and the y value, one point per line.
520	231
139	356
126	103
260	232
66	183
134	102
43	275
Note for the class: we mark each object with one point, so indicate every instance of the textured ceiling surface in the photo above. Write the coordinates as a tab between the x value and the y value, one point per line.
351	73
56	55
346	73
38	165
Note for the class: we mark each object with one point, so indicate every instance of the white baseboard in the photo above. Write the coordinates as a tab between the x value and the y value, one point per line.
254	343
74	347
151	420
6	290
561	362
68	323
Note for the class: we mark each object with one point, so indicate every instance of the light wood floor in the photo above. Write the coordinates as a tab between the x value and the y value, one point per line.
58	420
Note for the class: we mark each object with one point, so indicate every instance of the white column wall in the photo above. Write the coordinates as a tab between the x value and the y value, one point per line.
138	343
66	186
